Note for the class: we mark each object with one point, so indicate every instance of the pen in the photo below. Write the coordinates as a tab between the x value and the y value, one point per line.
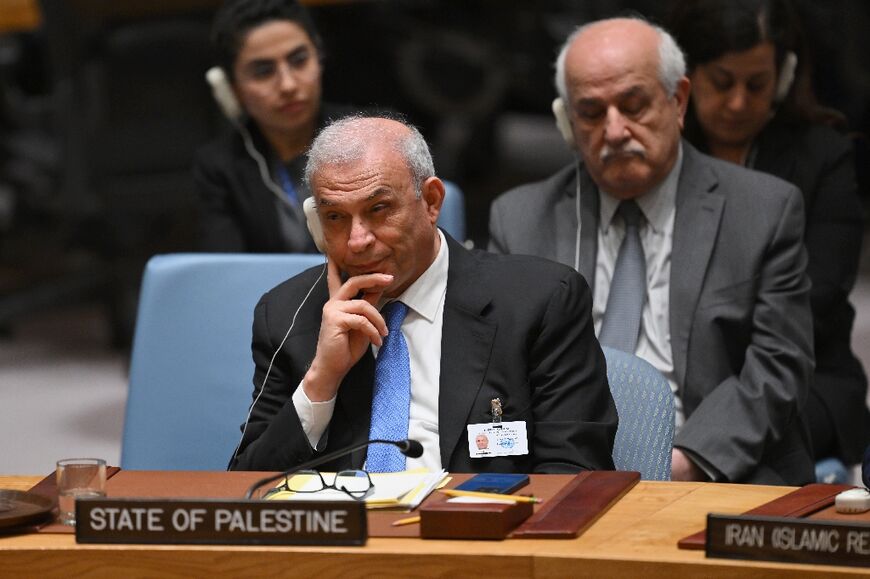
516	498
408	521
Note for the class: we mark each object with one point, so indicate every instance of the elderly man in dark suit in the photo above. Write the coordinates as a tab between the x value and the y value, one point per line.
696	265
479	337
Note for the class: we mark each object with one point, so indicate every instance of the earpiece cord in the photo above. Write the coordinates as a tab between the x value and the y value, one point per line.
313	226
222	92
262	165
577	212
272	362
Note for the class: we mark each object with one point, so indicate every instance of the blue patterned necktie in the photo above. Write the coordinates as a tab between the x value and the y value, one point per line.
621	324
392	394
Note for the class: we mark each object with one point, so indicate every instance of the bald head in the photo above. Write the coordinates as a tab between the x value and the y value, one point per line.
631	34
350	139
625	116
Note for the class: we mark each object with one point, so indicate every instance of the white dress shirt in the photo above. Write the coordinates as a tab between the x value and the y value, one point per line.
656	234
422	328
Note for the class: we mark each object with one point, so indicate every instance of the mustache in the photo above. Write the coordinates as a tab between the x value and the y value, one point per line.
630	148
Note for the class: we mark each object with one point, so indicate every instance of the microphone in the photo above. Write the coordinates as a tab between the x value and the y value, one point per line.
409	447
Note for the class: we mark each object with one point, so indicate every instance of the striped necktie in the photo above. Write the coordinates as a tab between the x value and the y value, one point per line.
621	324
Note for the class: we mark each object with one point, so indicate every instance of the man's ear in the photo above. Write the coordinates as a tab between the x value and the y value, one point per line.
681	95
432	194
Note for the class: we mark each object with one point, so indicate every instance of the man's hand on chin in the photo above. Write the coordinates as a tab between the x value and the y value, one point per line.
347	329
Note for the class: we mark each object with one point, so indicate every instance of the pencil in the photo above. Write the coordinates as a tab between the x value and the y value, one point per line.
516	498
408	521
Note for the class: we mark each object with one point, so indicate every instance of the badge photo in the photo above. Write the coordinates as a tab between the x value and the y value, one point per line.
497	439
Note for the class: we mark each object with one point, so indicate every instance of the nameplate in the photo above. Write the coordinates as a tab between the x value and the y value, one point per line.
220	522
788	540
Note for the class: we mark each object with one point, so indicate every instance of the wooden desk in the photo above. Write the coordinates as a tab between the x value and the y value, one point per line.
636	538
19	15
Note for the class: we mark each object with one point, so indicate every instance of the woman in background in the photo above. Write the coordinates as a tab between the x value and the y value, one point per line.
752	104
268	83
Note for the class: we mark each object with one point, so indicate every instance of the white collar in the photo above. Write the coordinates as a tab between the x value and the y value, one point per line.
425	294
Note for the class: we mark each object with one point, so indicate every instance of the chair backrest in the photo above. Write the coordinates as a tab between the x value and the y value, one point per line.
645	405
832	471
191	370
452	217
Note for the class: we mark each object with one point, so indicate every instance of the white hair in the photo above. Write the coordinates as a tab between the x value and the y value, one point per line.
346	140
672	62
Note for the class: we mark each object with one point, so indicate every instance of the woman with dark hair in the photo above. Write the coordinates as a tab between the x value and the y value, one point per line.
752	104
268	83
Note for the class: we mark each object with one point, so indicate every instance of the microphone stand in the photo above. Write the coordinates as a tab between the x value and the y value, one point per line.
408	447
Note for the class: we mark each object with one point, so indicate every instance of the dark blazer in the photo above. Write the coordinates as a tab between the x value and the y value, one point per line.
516	328
741	333
236	211
820	162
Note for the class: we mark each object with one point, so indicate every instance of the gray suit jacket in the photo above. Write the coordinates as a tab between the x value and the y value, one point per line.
741	330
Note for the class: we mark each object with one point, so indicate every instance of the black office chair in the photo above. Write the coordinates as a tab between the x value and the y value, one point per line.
132	107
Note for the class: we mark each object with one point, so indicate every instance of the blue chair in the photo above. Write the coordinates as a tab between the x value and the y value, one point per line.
645	404
191	370
832	471
452	217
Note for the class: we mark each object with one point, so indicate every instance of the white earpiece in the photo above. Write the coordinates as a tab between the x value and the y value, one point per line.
786	77
223	93
563	122
309	206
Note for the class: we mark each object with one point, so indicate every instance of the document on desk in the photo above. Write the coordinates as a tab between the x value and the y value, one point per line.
393	490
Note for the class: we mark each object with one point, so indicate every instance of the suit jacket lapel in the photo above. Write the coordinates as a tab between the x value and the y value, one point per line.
696	227
356	404
563	211
589	215
466	347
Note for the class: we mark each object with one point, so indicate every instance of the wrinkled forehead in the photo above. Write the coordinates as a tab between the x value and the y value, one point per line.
351	141
378	170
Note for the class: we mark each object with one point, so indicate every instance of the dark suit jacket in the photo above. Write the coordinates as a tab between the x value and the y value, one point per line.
741	333
516	328
820	162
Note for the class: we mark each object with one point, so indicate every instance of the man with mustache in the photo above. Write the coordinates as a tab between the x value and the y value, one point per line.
696	265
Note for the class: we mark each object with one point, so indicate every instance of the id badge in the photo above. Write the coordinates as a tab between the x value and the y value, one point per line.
497	439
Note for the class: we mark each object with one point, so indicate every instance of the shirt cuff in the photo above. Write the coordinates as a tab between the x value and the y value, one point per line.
314	416
712	473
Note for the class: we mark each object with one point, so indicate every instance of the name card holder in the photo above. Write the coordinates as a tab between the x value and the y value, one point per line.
446	520
788	540
220	522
